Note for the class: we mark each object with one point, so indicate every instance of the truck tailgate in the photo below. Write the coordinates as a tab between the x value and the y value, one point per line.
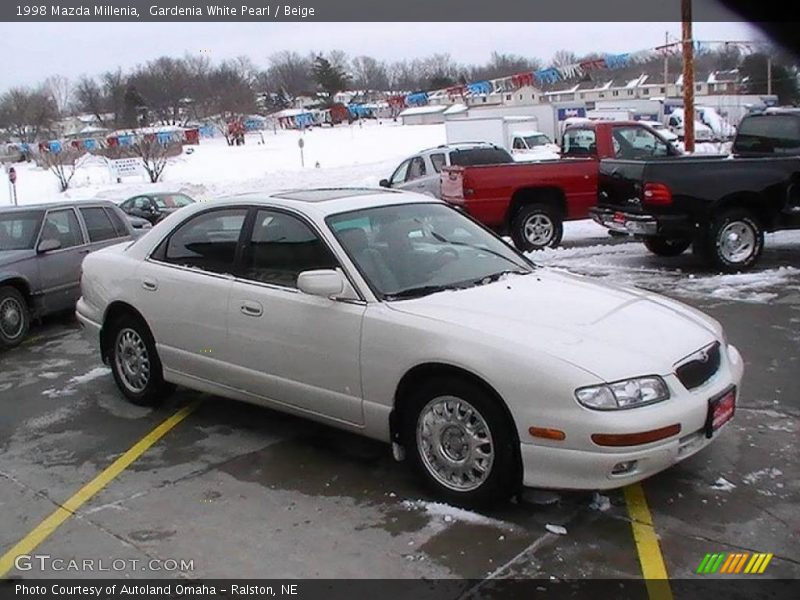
452	180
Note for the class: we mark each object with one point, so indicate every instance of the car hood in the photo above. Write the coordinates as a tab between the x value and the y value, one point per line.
10	257
610	332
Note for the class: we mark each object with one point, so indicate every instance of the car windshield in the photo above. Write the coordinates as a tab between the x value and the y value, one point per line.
537	140
412	250
172	200
18	230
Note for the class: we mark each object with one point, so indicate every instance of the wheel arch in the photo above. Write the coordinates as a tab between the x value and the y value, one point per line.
751	201
551	196
419	374
115	310
20	284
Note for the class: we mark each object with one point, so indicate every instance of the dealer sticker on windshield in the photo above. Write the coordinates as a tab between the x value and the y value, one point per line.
720	410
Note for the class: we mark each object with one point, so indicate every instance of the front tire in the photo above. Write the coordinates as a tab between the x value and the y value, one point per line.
134	362
15	318
461	443
535	227
734	241
663	246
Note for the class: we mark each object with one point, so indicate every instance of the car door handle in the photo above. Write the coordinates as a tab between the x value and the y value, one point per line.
150	285
252	309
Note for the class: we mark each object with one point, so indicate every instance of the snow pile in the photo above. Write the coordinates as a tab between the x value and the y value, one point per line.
756	476
449	514
723	485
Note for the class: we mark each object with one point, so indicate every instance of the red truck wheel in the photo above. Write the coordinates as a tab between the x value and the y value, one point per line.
535	227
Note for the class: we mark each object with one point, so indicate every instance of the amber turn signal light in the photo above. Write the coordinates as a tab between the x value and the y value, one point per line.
635	439
546	433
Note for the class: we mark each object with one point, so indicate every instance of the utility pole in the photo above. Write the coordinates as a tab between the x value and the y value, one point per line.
688	76
769	75
666	64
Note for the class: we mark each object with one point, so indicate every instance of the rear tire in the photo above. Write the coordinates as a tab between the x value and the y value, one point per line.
461	442
535	227
15	318
663	246
733	241
135	363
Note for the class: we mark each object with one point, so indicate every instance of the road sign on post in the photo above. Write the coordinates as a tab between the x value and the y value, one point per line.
12	178
300	144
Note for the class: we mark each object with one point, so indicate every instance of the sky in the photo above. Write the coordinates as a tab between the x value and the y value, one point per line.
33	51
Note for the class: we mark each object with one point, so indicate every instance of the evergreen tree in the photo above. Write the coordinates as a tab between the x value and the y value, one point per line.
329	77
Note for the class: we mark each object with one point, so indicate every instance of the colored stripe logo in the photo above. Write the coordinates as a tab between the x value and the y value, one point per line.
731	563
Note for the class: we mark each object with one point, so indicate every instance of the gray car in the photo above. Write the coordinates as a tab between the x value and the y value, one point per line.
41	251
420	173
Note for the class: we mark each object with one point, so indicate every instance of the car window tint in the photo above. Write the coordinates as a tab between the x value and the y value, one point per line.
416	169
480	156
116	220
281	247
438	161
98	224
62	225
207	241
769	134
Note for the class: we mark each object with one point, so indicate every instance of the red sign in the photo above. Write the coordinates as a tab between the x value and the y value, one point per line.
12	175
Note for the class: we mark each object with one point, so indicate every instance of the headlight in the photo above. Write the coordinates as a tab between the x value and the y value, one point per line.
629	393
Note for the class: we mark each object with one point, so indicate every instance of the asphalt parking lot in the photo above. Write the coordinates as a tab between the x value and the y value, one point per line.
241	491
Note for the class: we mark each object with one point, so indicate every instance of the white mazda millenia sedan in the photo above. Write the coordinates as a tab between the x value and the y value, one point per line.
393	315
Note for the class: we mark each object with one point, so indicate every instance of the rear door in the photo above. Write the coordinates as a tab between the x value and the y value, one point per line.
101	228
60	269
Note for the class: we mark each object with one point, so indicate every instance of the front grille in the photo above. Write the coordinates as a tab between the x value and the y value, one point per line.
700	367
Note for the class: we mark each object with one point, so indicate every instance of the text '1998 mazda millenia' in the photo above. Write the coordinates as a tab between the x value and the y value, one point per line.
395	316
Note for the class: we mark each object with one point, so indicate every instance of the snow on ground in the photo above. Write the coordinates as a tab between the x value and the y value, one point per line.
353	155
448	514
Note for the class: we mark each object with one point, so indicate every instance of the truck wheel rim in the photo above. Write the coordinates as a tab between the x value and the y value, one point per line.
11	321
538	229
132	360
737	242
455	443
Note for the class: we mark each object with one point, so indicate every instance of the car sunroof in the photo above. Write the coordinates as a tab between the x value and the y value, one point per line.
328	194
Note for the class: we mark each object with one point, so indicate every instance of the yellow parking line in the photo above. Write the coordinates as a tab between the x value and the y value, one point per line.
42	531
644	534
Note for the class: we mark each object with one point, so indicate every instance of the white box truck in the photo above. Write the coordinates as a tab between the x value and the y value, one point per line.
517	134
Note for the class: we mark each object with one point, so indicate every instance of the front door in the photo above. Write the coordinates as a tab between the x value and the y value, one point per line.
290	347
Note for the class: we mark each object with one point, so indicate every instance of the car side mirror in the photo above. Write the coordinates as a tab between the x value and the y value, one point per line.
384	183
48	246
321	282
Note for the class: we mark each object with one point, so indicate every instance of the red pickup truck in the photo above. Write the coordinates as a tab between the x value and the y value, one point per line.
530	201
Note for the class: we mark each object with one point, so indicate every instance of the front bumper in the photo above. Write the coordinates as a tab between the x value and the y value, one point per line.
641	224
592	467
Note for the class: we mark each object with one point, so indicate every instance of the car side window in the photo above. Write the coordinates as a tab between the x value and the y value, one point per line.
207	241
437	161
399	175
518	144
416	169
62	225
142	203
98	224
579	142
637	142
281	247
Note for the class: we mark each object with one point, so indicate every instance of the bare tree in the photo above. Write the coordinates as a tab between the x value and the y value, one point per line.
153	154
230	95
369	74
60	89
27	113
62	163
563	58
503	65
291	72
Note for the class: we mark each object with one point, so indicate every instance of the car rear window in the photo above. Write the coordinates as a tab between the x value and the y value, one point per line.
479	156
771	134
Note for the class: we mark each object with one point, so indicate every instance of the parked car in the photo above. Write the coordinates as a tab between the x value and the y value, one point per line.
396	316
720	205
420	173
530	201
662	130
702	132
533	145
41	250
154	207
